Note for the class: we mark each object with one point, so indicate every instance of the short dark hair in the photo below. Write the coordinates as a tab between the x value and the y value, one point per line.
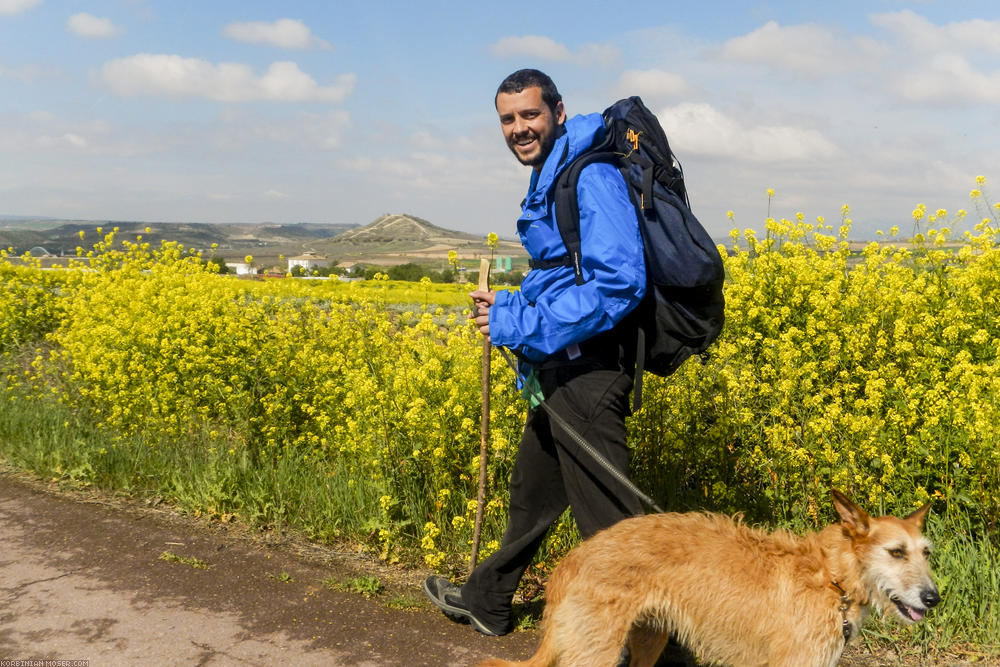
527	78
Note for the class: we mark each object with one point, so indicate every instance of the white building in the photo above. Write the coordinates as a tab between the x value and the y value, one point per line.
308	260
241	268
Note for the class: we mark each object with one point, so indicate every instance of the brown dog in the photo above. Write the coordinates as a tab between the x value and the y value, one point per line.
732	594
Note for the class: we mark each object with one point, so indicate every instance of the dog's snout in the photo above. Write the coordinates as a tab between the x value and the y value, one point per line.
930	597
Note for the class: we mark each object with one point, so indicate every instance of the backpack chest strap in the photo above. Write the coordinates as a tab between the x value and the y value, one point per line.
551	263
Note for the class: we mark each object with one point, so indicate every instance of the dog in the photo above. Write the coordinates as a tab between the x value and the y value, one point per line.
730	593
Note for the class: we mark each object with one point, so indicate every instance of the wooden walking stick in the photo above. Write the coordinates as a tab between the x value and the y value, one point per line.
484	424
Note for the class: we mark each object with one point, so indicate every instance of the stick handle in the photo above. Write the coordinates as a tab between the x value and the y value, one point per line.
484	424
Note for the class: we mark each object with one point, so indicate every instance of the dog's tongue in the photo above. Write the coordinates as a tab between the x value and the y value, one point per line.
915	614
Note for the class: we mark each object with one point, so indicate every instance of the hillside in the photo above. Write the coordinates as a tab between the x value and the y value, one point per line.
389	239
400	228
398	238
66	236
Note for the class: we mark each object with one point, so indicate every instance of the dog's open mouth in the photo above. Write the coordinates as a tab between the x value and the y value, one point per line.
912	614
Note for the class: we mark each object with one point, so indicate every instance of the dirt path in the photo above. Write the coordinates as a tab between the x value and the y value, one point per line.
84	580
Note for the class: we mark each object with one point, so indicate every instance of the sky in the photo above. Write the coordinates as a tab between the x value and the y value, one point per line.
341	111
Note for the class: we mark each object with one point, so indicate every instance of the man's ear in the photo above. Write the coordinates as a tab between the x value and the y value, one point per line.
854	519
560	113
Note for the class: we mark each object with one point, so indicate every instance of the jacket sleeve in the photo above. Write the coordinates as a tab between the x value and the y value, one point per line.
551	311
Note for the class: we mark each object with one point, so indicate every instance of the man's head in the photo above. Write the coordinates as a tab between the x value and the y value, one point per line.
531	115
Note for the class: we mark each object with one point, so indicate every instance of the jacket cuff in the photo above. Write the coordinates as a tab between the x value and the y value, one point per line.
500	329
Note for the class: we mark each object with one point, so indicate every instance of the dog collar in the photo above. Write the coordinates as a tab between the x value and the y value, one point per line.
845	604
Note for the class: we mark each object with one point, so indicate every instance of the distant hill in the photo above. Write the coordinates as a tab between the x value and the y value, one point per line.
28	222
395	238
401	228
389	239
234	238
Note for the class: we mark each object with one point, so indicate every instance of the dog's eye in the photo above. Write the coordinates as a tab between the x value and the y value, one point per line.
897	552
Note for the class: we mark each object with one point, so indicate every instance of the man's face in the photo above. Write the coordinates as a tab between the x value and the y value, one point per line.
529	126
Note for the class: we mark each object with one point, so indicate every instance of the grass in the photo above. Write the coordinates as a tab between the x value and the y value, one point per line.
405	602
196	563
198	476
366	585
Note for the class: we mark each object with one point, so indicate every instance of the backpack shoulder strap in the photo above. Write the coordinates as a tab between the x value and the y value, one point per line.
568	207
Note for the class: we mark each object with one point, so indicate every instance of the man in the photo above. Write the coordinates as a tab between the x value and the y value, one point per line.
576	341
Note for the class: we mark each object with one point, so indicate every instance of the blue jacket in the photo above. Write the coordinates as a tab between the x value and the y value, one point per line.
551	312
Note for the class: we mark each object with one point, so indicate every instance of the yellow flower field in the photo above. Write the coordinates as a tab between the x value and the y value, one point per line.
352	410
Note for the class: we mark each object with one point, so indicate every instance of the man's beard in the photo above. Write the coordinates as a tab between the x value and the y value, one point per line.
539	158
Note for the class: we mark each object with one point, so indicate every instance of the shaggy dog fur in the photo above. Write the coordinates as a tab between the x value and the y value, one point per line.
732	594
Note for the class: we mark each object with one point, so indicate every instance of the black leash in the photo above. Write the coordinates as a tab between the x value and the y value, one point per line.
577	438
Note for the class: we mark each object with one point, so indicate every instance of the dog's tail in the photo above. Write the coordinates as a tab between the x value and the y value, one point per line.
544	656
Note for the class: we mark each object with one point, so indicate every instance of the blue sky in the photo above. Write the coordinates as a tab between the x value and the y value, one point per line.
339	112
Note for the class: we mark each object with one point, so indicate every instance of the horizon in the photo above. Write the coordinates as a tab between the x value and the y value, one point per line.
245	113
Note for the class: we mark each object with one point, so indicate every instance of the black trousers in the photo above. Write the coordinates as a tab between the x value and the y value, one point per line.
551	472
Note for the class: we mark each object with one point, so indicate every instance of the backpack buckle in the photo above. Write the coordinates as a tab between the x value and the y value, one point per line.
633	138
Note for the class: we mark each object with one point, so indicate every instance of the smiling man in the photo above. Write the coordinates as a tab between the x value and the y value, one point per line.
575	341
530	120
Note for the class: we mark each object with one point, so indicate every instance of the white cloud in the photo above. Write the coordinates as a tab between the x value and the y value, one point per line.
87	25
651	83
425	140
175	76
547	49
810	49
325	131
17	6
922	35
283	33
68	139
58	135
303	131
938	63
700	129
948	79
29	72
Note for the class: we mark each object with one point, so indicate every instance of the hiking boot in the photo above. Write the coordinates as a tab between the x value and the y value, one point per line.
448	597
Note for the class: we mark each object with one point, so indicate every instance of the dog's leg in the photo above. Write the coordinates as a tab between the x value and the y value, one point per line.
583	631
807	652
645	645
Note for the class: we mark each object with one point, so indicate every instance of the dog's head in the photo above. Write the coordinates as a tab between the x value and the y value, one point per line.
893	558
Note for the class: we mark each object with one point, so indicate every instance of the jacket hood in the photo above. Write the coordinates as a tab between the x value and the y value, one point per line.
580	133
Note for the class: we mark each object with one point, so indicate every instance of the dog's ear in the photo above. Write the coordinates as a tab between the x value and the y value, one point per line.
918	516
855	519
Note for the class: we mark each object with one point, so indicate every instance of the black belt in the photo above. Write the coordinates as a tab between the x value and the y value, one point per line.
612	348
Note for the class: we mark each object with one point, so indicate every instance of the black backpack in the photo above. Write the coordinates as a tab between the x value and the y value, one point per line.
683	310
